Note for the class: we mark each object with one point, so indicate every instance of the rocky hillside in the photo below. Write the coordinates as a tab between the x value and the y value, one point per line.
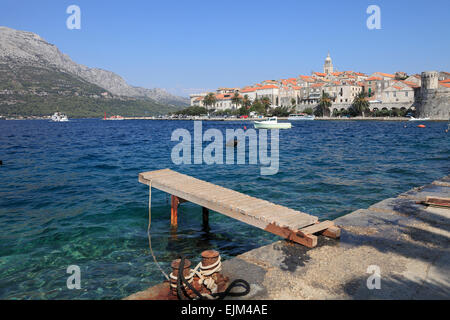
20	49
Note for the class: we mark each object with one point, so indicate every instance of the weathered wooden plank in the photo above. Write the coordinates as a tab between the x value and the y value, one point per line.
438	202
332	232
257	212
317	227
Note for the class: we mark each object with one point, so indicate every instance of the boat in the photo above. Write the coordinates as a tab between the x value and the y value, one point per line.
59	117
113	117
272	123
301	116
418	119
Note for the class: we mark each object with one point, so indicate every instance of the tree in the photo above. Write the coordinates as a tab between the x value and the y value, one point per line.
280	112
243	111
236	100
308	111
209	100
293	102
336	113
360	104
257	107
323	108
246	102
266	103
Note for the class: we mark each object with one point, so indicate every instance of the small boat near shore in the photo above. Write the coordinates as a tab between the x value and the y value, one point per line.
301	116
272	123
113	118
59	117
419	119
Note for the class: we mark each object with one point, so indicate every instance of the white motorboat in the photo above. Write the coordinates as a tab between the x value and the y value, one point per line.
59	117
272	123
301	116
418	119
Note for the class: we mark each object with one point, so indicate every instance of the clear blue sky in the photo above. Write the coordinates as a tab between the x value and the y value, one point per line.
198	45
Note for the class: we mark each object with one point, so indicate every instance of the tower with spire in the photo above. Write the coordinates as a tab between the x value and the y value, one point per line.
328	65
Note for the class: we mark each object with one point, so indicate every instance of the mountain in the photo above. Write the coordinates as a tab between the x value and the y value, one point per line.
32	67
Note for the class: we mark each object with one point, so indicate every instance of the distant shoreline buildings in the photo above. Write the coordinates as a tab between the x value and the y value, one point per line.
428	93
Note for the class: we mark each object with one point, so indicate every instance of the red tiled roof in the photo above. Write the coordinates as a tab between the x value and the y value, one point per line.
269	86
411	84
385	74
248	90
225	96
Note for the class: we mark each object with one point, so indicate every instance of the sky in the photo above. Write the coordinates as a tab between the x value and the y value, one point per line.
193	46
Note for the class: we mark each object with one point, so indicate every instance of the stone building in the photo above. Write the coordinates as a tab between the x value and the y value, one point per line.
434	101
427	93
398	93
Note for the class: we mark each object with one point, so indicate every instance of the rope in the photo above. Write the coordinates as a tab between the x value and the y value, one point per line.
148	230
204	271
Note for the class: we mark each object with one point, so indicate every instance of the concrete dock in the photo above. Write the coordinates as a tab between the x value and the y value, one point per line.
408	242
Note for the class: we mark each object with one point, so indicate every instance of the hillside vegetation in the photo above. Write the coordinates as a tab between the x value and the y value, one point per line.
37	91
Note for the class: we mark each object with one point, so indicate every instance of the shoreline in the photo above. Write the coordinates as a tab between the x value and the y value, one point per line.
399	119
407	241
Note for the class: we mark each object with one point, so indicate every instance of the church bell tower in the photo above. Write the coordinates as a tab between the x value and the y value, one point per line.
328	65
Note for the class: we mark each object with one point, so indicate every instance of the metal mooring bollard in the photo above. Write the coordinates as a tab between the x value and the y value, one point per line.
175	267
210	258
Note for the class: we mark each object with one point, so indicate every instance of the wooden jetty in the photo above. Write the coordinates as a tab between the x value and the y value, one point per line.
291	224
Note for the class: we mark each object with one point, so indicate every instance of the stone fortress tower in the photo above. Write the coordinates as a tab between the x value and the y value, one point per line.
430	80
328	65
434	100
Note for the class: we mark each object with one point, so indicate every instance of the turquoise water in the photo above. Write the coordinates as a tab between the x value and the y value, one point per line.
69	194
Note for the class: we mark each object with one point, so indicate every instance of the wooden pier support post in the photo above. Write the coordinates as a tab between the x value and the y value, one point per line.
174	211
205	213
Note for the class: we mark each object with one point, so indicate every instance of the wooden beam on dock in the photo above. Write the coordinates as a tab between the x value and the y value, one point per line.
291	224
437	202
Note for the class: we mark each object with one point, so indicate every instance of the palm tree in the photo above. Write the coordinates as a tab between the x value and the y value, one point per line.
209	100
236	100
246	102
266	102
323	108
360	104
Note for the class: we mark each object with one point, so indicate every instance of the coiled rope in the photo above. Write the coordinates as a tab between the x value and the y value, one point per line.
182	283
200	270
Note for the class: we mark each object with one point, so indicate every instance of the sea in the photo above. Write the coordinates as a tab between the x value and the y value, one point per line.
70	196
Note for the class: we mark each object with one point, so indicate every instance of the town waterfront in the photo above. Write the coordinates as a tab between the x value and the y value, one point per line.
70	195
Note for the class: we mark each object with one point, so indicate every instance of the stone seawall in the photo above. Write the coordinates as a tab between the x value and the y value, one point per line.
435	104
